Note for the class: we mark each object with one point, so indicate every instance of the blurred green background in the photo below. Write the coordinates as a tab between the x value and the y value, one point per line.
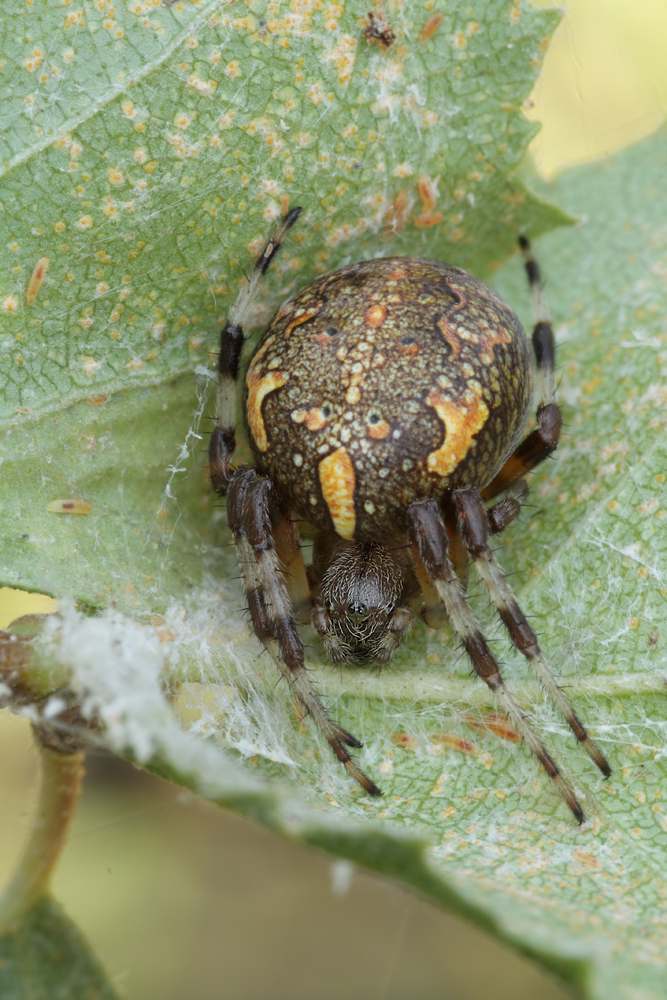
180	899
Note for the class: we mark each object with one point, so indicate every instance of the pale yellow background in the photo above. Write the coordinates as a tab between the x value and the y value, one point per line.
181	900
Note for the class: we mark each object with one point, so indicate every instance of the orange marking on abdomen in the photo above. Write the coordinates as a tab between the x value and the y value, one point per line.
462	418
375	315
398	274
260	386
313	419
380	430
451	336
298	320
338	482
457	335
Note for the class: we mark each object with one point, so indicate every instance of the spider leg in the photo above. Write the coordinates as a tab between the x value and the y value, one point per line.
543	440
429	538
249	516
428	605
287	541
472	524
223	438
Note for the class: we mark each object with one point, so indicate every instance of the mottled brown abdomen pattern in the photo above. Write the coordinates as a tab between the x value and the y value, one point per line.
382	383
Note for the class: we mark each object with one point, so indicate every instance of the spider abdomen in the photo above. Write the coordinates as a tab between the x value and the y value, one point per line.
382	383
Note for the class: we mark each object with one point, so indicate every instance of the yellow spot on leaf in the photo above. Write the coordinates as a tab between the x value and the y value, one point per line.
428	193
76	506
431	27
405	740
450	741
397	216
495	723
342	55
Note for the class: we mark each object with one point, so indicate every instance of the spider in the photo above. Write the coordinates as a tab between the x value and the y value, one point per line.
385	406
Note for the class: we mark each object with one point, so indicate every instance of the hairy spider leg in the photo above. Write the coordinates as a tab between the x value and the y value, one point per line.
249	516
431	609
223	438
472	525
429	538
287	540
249	510
543	440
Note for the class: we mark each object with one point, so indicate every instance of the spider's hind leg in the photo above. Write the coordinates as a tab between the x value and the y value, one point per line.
250	507
223	438
430	544
543	440
472	523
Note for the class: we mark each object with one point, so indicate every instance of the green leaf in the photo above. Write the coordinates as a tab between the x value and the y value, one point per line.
45	957
147	156
467	818
148	148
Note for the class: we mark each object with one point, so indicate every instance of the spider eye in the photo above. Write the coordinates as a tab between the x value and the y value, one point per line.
357	612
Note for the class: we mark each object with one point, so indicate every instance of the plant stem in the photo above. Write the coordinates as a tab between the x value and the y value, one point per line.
60	785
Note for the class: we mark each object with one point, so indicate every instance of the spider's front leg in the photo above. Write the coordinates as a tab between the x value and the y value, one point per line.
223	439
429	538
249	509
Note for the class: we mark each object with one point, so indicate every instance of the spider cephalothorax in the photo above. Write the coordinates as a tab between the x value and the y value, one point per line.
385	405
359	616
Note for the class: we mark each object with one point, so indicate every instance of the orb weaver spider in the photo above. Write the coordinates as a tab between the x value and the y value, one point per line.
385	407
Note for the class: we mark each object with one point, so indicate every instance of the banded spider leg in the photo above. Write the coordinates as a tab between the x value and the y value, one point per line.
258	521
543	440
430	545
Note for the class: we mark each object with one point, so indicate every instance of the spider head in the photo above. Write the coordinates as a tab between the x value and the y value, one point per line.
358	620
